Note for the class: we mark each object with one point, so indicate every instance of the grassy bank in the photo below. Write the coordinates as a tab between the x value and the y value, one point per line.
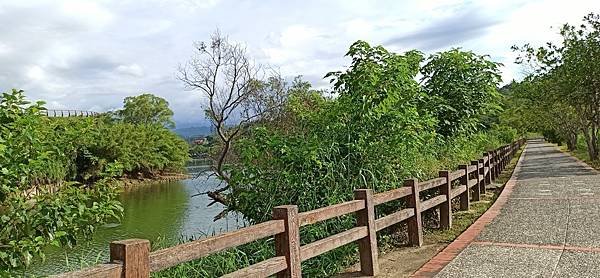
581	153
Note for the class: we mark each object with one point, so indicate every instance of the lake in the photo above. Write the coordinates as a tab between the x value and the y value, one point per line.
164	212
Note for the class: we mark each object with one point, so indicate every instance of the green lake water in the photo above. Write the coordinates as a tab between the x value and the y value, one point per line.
161	211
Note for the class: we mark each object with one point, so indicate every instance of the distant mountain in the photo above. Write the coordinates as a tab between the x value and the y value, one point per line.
193	131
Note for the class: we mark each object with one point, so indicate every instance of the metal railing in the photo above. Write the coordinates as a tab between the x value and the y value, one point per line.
69	113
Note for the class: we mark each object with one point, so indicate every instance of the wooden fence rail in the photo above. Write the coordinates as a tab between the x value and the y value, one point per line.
132	257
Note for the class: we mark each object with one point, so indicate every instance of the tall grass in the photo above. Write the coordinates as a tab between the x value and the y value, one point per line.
442	156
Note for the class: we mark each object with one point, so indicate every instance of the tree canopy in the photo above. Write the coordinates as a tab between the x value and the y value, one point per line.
563	88
146	109
463	89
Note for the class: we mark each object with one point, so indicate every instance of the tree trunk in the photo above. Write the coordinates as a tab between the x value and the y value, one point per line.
590	139
572	141
594	142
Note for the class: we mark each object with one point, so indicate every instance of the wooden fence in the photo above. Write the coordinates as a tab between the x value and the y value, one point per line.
69	113
132	257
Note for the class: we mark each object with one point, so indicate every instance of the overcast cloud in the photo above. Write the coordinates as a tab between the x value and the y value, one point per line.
89	55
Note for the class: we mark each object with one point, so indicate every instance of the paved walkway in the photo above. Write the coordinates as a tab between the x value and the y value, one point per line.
546	223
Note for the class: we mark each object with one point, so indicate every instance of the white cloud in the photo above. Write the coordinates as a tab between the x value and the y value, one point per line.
292	43
89	55
133	70
4	49
35	73
87	12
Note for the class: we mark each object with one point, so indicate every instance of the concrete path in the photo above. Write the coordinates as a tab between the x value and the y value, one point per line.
546	225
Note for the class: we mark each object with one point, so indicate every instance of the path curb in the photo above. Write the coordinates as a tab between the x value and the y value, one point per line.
437	263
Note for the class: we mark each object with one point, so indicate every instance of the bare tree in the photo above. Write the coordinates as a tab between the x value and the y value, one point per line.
235	95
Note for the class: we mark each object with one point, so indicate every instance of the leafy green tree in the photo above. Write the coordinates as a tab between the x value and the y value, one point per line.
363	138
535	105
377	131
146	109
572	69
462	90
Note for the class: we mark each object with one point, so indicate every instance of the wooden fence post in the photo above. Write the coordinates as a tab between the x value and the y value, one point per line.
446	207
134	255
367	246
503	157
501	164
496	164
476	188
490	166
415	226
482	174
465	197
488	176
508	155
288	243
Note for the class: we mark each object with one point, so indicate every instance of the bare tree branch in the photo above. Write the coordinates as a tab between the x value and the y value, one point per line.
235	93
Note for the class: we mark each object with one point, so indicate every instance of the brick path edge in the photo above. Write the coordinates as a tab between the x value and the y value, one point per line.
437	263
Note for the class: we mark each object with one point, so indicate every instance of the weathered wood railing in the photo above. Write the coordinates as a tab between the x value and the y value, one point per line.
132	257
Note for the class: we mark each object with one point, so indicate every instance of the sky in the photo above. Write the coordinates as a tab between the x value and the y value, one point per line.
90	55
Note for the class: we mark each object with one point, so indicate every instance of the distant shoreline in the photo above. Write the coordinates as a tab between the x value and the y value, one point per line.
163	178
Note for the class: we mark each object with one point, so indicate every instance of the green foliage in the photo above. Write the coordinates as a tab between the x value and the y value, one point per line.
563	86
139	149
378	131
20	143
331	146
31	223
57	174
462	86
220	263
146	109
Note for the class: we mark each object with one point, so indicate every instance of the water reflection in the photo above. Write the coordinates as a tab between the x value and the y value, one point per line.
164	211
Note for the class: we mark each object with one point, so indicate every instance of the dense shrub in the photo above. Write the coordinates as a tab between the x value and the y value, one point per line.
139	149
378	131
57	174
